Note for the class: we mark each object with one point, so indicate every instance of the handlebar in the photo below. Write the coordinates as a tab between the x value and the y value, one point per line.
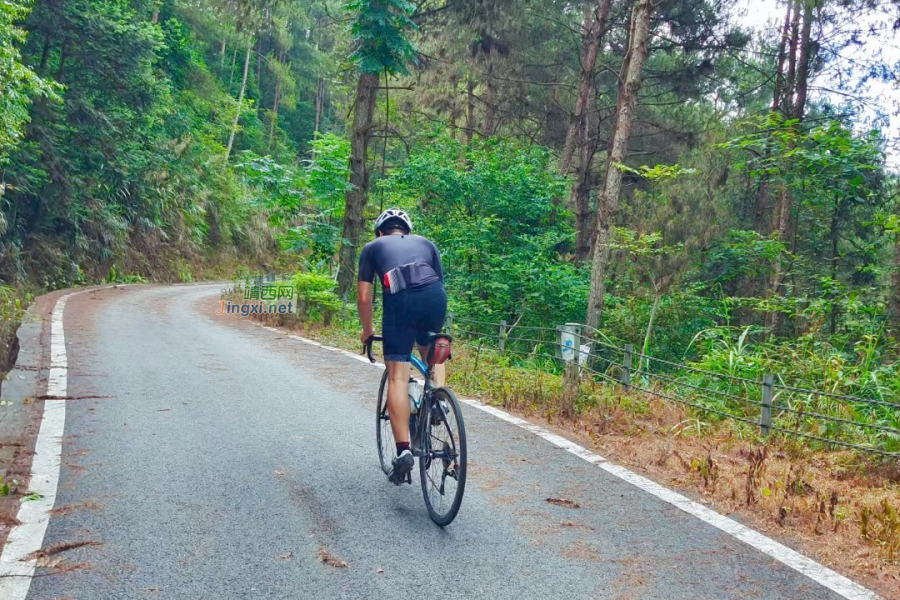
367	348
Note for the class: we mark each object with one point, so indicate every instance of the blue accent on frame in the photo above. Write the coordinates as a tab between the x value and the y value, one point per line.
417	363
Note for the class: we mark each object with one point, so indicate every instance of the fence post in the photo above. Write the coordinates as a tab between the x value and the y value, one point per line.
570	352
449	324
765	416
502	336
627	363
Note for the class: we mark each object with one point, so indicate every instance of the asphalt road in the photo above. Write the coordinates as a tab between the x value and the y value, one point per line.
213	459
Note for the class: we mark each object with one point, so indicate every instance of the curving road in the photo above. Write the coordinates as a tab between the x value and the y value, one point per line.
213	459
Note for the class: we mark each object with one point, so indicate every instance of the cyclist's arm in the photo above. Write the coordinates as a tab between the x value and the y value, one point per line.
436	257
364	292
364	306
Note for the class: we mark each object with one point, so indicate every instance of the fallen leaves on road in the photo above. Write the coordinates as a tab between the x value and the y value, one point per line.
286	555
64	510
563	502
379	571
574	525
60	547
329	559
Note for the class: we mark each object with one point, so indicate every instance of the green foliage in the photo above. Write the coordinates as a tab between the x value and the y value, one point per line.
881	525
13	303
318	232
19	84
492	210
380	31
328	172
304	205
317	299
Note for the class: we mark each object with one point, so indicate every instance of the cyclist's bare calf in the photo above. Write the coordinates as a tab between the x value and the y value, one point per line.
398	399
397	394
438	372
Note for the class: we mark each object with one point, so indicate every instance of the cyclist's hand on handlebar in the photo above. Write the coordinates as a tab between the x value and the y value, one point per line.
365	335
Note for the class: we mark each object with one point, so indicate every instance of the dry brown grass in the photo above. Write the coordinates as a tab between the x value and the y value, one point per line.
818	502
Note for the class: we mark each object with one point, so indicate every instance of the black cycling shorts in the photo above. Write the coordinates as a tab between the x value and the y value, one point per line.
409	317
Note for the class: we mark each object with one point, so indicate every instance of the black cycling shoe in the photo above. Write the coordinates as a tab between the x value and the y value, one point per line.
402	466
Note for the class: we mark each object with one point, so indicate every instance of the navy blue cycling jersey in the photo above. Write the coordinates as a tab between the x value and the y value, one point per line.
389	252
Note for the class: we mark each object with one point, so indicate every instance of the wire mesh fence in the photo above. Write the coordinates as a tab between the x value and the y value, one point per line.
772	406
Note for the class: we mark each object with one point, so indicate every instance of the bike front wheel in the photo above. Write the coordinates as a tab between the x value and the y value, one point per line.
442	466
384	435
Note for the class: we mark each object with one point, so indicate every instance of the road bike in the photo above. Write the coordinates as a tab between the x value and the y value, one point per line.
437	438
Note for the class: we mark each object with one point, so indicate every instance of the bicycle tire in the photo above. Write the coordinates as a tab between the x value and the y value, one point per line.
384	435
455	458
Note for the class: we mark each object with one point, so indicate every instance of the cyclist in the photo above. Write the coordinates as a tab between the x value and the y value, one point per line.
415	303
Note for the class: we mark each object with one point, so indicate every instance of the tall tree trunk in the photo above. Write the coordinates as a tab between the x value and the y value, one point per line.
274	113
581	192
790	85
355	200
45	53
608	199
762	219
470	109
594	26
240	105
259	72
61	70
782	55
802	76
835	238
233	67
320	102
490	99
794	106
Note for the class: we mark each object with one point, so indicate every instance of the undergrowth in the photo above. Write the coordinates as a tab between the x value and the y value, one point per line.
13	303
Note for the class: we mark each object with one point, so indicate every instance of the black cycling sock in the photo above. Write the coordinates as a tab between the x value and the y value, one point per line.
401	446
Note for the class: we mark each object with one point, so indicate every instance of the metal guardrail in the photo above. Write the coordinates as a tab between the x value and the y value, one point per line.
846	421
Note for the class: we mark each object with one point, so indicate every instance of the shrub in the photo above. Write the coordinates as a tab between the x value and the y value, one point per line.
317	299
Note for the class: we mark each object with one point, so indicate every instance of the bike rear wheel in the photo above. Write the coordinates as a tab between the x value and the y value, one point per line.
384	435
442	466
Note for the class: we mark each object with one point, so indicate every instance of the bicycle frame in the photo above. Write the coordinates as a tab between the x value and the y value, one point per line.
421	366
417	429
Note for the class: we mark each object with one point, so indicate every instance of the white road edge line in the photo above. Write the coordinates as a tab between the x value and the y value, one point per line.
837	583
16	568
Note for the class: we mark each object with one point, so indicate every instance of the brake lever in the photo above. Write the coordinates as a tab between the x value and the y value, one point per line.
367	349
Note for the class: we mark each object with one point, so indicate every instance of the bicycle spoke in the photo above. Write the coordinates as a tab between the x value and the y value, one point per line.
442	467
384	432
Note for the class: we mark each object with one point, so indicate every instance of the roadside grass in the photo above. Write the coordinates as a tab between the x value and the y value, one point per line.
13	303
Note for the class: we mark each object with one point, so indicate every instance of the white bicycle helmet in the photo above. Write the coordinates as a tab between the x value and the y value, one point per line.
393	214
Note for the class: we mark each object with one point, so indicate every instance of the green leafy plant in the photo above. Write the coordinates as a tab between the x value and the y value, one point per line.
881	526
317	299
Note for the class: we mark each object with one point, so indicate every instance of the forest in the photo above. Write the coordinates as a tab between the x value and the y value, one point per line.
659	170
